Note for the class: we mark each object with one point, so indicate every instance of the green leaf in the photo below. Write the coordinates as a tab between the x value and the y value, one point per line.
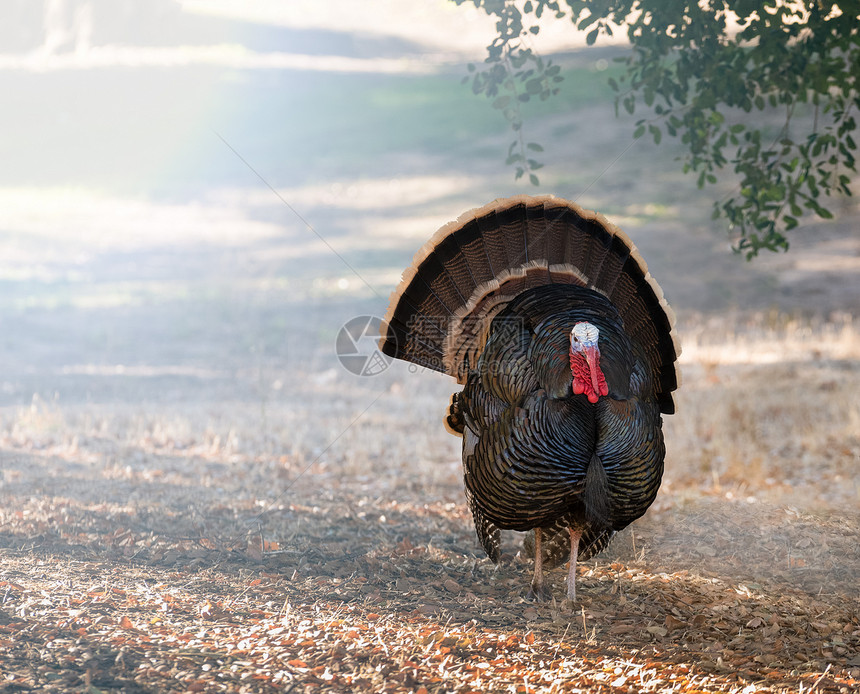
588	21
535	147
629	104
534	85
535	181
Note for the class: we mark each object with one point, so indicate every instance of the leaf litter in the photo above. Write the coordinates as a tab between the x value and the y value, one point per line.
396	598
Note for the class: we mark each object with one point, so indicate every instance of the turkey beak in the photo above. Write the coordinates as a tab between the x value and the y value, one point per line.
592	358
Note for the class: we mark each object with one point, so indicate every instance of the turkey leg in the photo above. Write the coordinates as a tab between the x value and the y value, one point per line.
571	571
538	590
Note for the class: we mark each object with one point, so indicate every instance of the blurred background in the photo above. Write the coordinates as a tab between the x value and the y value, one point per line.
195	196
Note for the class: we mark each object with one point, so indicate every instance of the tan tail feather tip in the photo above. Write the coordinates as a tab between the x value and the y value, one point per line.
451	430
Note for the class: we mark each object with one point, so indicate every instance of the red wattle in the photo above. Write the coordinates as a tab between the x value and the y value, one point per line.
582	378
602	388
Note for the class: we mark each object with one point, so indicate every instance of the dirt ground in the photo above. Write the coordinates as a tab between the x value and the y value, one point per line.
196	495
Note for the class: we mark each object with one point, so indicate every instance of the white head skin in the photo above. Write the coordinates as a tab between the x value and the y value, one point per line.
583	335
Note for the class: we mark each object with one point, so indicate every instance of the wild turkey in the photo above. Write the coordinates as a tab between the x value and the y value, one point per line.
565	345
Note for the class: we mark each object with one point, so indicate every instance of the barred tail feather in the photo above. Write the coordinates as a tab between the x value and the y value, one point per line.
439	315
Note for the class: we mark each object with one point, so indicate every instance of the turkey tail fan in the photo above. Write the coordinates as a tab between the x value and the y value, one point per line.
439	315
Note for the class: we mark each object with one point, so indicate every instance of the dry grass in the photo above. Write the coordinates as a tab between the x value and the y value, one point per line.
770	412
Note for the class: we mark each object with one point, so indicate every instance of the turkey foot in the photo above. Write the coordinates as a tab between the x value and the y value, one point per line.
539	593
567	606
